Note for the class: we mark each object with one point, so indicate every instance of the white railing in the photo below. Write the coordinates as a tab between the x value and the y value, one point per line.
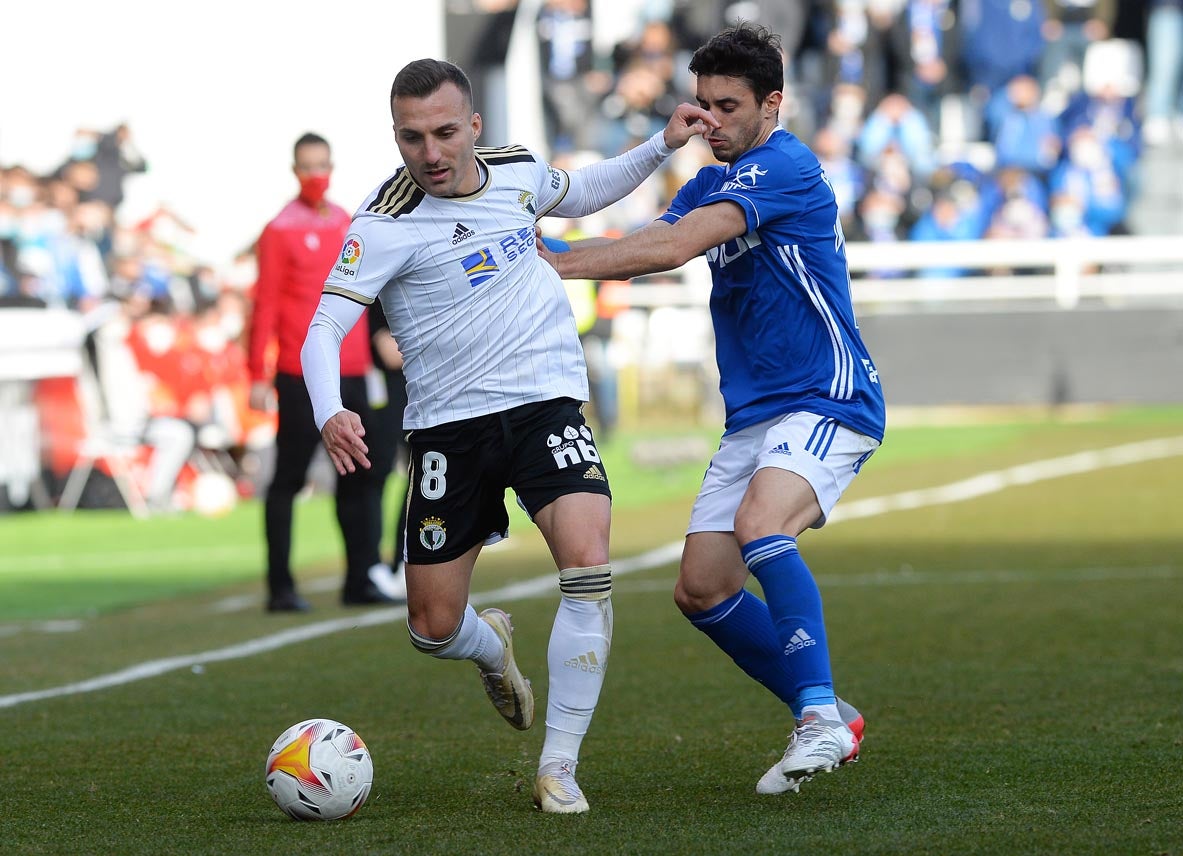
1060	271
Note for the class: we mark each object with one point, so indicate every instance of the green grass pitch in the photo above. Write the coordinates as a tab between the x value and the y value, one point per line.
1004	602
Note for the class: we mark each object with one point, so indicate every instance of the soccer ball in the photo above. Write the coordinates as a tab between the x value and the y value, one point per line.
214	494
319	769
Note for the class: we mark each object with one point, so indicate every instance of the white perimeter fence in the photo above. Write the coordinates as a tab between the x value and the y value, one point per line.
660	352
662	345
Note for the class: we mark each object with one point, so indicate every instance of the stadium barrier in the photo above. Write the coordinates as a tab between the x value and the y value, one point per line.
1029	322
1064	271
1046	322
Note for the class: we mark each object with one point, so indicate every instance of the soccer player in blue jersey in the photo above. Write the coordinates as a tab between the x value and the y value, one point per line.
804	407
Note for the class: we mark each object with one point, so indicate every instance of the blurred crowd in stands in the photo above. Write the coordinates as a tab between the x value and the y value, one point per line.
934	120
164	380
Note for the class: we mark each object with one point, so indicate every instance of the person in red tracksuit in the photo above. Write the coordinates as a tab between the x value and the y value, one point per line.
295	254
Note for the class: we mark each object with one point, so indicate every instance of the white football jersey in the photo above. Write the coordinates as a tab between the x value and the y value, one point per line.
483	323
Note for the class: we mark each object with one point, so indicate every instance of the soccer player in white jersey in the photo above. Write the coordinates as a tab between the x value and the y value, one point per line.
804	407
495	383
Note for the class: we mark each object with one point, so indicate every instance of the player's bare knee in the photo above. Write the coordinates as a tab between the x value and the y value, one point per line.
692	603
436	647
589	583
755	525
685	600
697	593
751	524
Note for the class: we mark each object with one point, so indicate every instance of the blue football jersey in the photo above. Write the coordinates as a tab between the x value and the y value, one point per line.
785	334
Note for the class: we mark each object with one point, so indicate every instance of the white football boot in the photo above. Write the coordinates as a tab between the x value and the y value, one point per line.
815	746
509	691
557	792
392	583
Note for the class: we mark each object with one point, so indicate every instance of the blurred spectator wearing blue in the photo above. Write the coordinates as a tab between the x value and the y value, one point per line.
846	109
1000	39
1088	176
956	215
895	123
1108	105
1020	214
1164	73
1008	183
929	47
893	177
54	259
847	41
1024	134
1067	217
880	220
866	42
846	177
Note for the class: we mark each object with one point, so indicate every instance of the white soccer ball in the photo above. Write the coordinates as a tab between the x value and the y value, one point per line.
319	769
214	494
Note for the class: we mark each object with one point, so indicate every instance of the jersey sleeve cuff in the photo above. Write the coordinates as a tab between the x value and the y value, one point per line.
659	145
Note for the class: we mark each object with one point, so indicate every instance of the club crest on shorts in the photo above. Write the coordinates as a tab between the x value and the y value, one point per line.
432	533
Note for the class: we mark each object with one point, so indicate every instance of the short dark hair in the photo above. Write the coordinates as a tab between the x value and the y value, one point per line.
746	51
422	77
309	139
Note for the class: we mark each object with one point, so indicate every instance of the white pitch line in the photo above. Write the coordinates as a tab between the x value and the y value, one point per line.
1022	474
960	491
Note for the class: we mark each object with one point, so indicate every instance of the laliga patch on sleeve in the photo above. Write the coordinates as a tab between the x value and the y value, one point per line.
351	254
555	245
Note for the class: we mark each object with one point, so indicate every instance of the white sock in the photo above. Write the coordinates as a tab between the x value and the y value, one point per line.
826	712
576	659
473	640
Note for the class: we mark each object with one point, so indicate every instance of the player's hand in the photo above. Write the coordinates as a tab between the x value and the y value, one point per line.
689	120
342	436
260	396
549	248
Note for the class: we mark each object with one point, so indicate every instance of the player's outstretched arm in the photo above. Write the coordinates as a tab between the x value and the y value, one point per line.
657	247
595	187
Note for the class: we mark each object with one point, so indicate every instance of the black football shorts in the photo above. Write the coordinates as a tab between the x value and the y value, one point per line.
460	471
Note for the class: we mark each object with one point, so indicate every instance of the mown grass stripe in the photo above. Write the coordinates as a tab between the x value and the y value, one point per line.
960	491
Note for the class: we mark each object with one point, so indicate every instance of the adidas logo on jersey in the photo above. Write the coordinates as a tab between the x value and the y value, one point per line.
462	233
799	641
594	472
782	449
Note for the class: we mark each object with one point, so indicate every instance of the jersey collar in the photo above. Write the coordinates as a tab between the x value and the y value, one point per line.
486	177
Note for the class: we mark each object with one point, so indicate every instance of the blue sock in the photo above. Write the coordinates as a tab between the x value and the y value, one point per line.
795	605
742	627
